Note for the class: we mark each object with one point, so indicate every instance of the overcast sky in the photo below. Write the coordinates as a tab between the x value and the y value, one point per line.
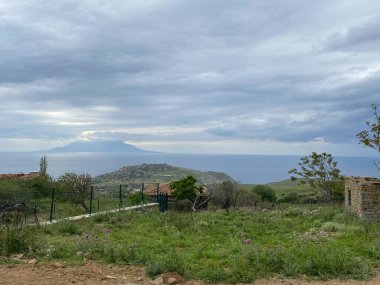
260	77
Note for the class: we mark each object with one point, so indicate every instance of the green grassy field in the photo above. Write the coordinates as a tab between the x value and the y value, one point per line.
240	246
283	188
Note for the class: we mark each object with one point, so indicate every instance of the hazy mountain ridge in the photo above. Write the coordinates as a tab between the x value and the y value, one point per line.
98	146
158	173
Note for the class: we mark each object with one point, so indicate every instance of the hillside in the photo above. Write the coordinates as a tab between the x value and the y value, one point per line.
285	187
158	173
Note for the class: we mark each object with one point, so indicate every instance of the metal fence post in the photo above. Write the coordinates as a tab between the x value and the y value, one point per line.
91	197
120	198
142	193
158	190
52	204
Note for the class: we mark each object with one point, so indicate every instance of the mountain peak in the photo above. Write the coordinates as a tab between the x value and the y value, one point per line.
98	146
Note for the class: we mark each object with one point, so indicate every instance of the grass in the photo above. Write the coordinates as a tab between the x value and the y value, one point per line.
322	242
285	187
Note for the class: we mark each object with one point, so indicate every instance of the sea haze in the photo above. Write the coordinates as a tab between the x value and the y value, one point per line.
242	168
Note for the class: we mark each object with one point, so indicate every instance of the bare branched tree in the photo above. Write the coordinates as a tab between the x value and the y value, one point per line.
76	187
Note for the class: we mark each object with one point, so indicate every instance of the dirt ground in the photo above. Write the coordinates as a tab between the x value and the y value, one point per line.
94	274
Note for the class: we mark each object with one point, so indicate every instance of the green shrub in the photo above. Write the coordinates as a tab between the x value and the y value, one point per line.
291	197
21	239
61	250
265	192
135	198
172	262
332	227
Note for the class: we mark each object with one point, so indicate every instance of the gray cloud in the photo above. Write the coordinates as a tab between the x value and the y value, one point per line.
207	70
357	38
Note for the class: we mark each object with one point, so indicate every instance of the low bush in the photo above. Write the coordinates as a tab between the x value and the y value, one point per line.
265	192
21	239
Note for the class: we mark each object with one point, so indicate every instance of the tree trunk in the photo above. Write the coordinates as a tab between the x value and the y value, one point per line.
84	205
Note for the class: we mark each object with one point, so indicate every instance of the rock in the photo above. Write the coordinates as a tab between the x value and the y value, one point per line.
32	261
17	256
79	253
157	281
138	278
172	280
56	265
109	277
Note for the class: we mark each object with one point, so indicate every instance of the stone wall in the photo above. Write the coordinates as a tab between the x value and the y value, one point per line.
362	196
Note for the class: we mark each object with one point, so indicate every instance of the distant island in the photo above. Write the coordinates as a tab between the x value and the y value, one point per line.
158	173
97	146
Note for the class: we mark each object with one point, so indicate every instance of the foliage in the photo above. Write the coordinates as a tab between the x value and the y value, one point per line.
247	198
43	165
39	186
371	137
42	185
135	198
226	194
16	237
9	186
266	193
76	188
337	190
291	197
320	171
186	188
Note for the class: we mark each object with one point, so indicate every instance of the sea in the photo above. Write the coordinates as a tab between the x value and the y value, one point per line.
249	169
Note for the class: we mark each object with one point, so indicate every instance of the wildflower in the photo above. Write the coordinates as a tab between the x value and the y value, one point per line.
246	241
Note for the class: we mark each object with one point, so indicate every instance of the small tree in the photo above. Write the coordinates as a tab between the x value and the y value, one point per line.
76	187
266	193
185	188
371	137
43	165
226	194
320	171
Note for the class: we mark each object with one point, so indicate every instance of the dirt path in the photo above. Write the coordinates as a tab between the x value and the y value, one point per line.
94	274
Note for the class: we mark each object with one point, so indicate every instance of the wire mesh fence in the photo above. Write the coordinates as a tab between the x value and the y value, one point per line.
21	207
31	207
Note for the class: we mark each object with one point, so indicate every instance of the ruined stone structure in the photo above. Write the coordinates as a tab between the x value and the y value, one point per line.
362	196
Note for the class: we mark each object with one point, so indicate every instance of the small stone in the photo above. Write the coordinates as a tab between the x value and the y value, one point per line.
17	256
32	261
56	265
109	277
172	280
79	253
138	278
157	281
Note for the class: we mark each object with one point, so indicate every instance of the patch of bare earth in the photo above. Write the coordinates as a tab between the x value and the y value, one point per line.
93	273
